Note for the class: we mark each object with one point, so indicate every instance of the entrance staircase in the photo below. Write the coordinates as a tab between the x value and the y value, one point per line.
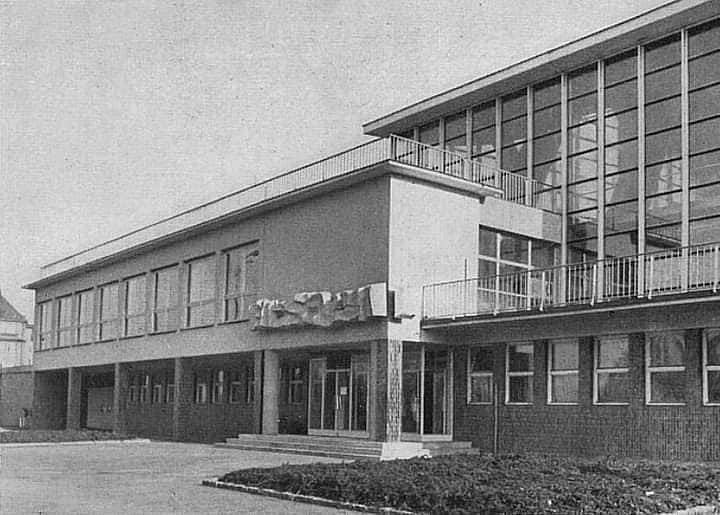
342	448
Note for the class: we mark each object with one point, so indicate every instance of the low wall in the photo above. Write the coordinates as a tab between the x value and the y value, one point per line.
16	394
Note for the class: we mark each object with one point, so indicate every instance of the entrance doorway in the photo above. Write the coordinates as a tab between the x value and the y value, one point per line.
339	395
426	394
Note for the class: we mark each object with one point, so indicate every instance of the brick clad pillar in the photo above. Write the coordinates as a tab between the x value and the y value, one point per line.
386	358
270	392
257	396
183	397
120	387
74	391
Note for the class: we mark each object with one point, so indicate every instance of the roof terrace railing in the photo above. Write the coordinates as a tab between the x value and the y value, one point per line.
674	271
515	188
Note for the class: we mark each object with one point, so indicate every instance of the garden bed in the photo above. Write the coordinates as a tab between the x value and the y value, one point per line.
65	435
499	484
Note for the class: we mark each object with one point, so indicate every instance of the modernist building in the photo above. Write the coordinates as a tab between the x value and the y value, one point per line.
528	262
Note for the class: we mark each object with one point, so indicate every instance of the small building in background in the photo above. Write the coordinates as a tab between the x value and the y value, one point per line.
15	336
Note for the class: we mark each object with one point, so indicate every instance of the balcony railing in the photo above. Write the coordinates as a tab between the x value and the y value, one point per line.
674	271
515	188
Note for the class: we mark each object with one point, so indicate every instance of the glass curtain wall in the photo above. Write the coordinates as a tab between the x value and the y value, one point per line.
635	220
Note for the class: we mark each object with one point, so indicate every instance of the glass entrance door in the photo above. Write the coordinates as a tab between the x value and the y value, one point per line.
426	393
339	397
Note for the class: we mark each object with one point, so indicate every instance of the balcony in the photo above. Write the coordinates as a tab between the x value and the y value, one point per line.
394	149
677	271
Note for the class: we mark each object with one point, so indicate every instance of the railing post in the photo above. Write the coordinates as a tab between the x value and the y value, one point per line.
716	264
496	307
393	148
684	268
528	291
593	291
542	291
651	272
563	284
528	191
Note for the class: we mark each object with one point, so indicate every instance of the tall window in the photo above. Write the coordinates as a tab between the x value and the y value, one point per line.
170	387
612	370
45	329
135	306
480	376
242	273
547	147
145	388
663	187
519	373
157	390
200	303
236	387
165	299
621	152
711	366
64	321
514	133
249	384
293	381
109	312
85	304
704	111
201	388
218	386
484	137
582	165
563	362
665	368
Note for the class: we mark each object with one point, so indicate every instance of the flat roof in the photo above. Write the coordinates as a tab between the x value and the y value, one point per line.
603	43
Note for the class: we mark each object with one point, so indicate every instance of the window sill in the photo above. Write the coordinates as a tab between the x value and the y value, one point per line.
132	336
611	404
479	403
518	404
197	327
661	404
164	331
563	404
230	322
711	404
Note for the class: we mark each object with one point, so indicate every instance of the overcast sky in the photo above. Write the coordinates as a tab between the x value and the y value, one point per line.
114	114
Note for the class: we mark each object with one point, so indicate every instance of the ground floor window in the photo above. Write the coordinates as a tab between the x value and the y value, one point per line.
711	367
249	384
665	368
480	376
218	386
563	360
201	389
236	387
292	381
519	368
611	370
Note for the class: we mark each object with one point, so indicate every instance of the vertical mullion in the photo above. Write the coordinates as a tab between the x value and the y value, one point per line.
685	160
641	169
529	193
498	132
563	183
599	291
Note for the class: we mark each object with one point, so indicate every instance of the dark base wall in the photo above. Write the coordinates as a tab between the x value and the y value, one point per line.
687	432
49	400
16	394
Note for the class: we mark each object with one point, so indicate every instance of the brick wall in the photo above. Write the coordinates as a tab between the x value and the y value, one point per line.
49	400
16	394
659	432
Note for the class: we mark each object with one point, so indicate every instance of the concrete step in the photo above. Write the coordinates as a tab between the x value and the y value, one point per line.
345	455
311	443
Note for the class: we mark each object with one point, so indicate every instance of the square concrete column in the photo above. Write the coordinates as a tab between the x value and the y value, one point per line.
386	404
257	391
270	392
120	387
74	391
182	402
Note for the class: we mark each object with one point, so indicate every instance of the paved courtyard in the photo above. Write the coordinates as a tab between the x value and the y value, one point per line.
129	478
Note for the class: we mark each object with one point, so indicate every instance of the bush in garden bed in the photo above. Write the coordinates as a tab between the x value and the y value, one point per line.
500	484
64	435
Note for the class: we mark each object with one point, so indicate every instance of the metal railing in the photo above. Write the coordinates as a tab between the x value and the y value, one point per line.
515	188
674	271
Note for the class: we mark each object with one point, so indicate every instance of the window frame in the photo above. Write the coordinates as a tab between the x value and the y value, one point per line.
250	384
708	368
597	371
551	373
157	396
117	315
68	329
210	301
144	390
79	325
483	373
217	392
252	251
649	370
171	310
45	334
235	389
200	388
127	317
509	374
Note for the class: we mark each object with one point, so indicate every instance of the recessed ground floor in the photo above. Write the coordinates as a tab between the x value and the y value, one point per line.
653	394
